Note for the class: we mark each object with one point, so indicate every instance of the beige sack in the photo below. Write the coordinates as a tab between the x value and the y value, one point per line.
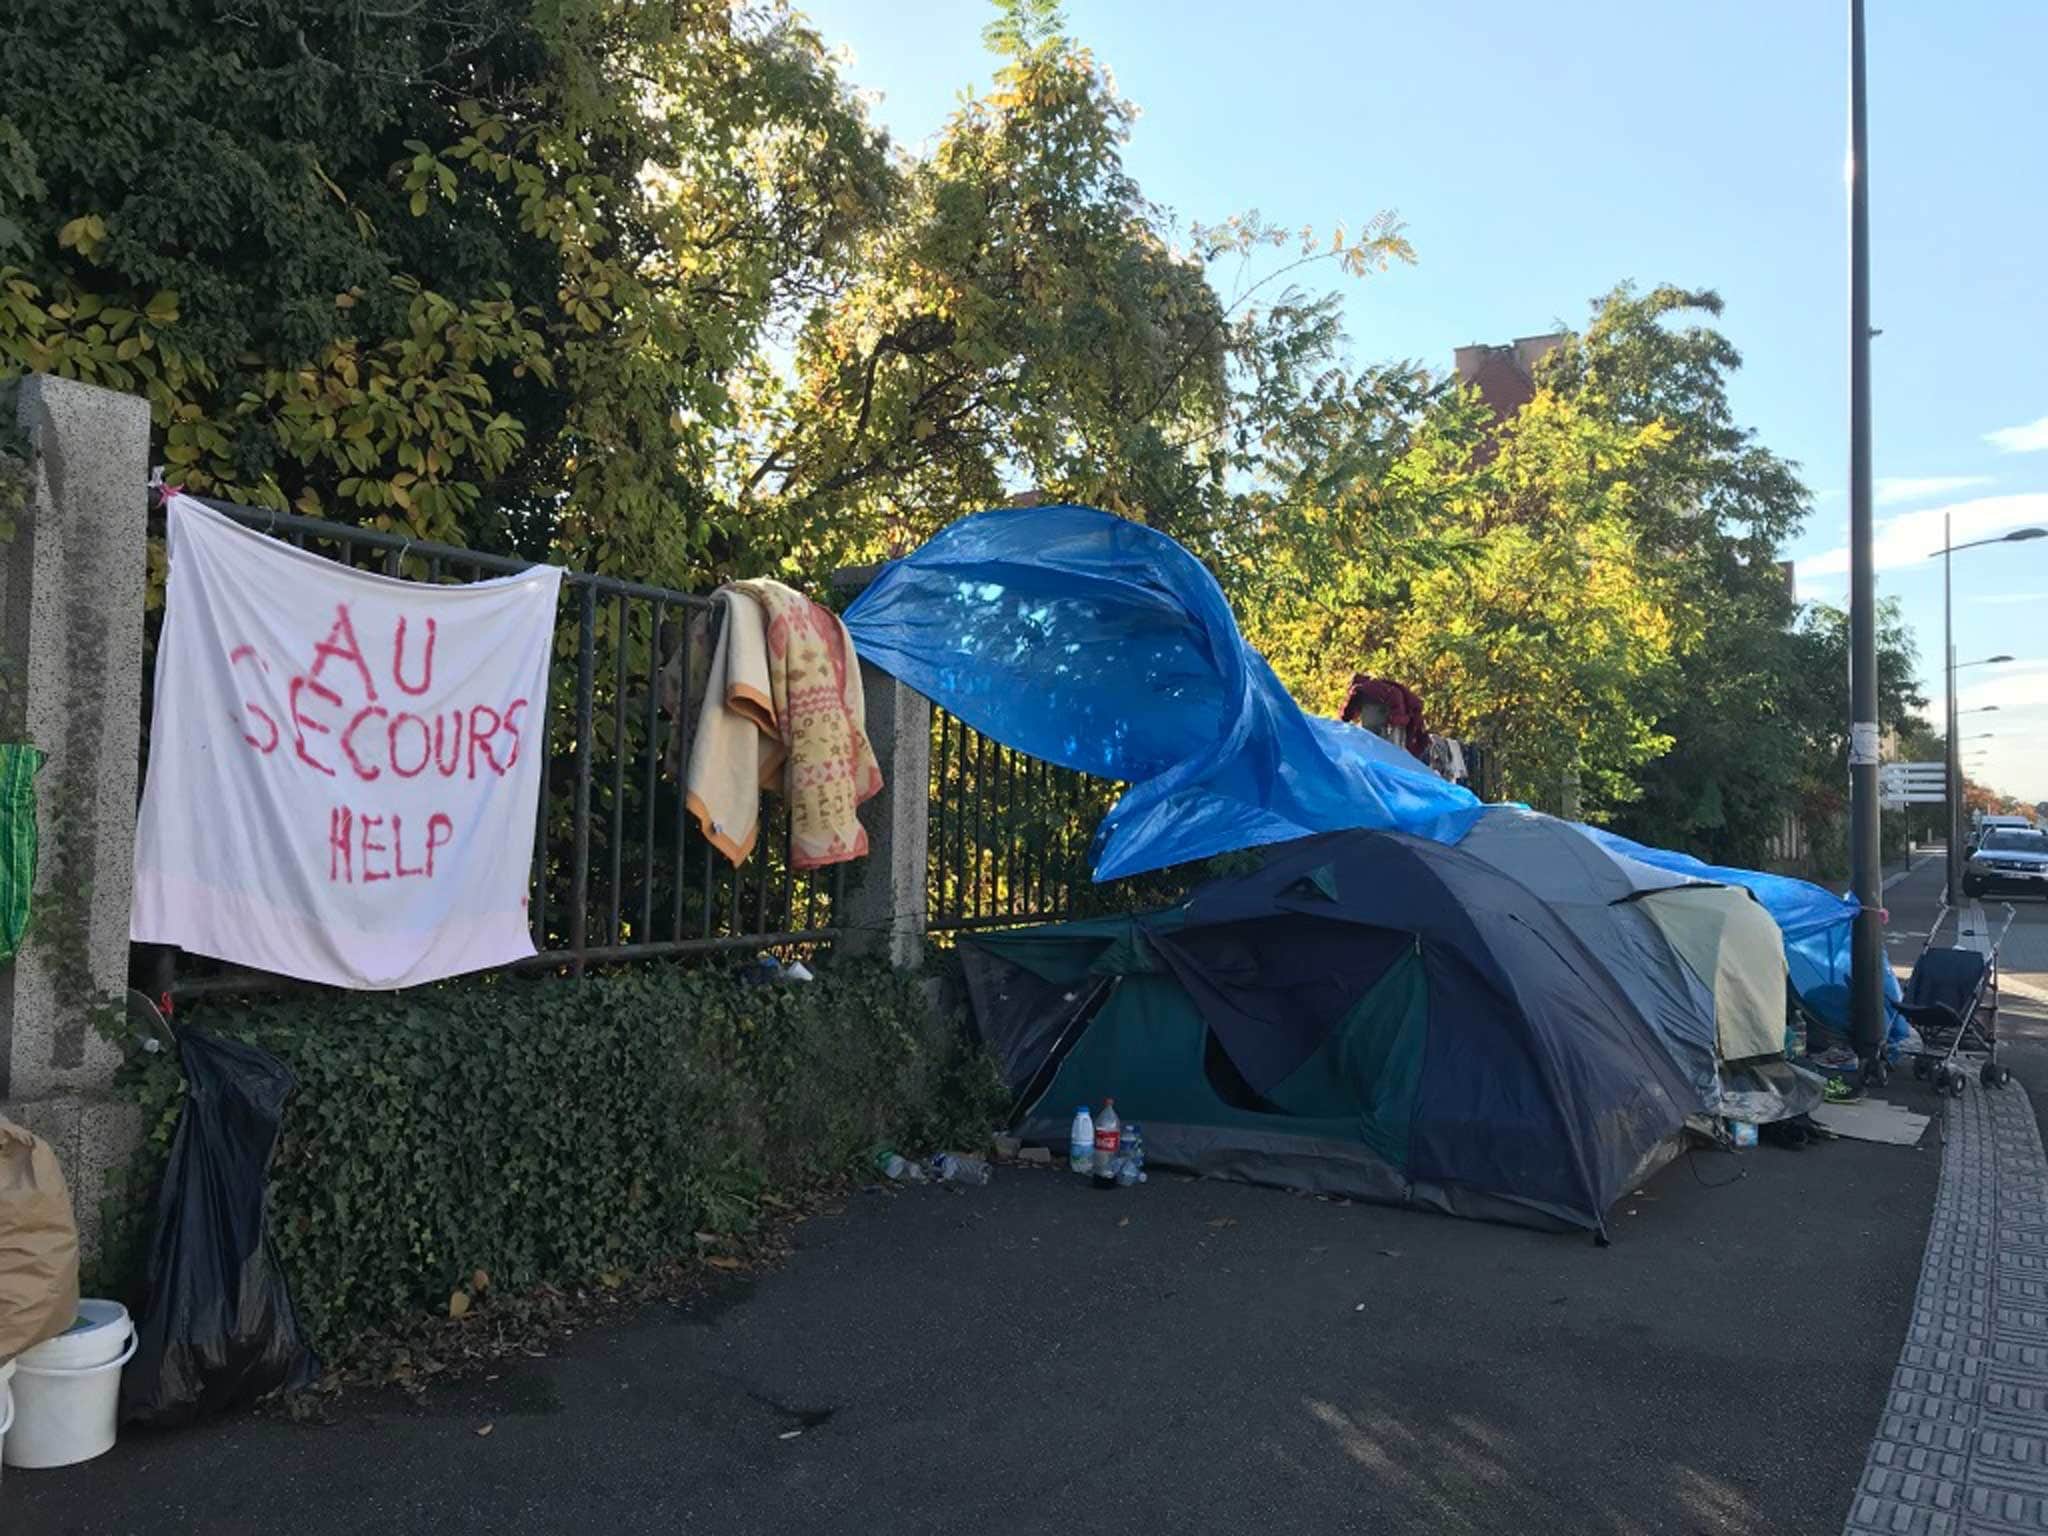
38	1243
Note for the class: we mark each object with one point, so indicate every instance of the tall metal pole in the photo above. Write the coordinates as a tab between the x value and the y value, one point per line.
1866	985
1952	770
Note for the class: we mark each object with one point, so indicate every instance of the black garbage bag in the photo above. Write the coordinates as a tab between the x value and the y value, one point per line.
216	1328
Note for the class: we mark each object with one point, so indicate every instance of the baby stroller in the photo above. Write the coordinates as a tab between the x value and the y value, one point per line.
1952	1000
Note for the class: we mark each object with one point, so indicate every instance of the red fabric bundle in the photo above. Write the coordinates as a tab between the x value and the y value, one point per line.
1403	707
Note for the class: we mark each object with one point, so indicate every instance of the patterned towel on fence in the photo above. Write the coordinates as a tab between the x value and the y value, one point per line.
18	768
783	707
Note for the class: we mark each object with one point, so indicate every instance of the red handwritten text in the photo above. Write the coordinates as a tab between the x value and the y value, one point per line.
361	850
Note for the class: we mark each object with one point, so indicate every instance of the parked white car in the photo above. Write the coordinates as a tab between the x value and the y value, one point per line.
1984	826
2008	859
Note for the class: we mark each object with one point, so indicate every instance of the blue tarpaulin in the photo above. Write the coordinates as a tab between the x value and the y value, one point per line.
1102	645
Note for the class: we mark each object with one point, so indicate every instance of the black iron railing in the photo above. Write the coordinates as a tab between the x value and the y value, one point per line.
621	871
1009	833
1010	837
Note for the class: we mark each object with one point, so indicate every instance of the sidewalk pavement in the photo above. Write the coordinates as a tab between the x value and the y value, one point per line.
1962	1443
1203	1356
1037	1356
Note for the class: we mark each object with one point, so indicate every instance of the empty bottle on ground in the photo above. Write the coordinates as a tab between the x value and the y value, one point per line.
1081	1142
897	1168
958	1168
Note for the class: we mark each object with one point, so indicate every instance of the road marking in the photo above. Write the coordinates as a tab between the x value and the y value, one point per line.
1978	935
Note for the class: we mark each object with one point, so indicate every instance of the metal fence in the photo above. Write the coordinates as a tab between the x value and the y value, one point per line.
1010	837
1009	833
621	871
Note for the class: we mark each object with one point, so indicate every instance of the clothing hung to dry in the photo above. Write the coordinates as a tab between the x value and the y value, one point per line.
783	708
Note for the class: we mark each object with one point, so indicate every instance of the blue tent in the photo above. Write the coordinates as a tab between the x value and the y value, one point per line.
1369	1014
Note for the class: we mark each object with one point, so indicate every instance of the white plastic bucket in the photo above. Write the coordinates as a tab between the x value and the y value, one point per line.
67	1390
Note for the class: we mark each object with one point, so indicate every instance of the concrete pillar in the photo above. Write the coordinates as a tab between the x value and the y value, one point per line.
71	597
885	893
885	902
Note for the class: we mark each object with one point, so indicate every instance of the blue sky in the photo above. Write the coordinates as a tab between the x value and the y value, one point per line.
1540	153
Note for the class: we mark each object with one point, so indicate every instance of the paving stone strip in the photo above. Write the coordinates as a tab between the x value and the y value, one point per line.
1962	1446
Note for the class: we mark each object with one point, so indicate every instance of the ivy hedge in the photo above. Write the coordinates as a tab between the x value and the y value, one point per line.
556	1130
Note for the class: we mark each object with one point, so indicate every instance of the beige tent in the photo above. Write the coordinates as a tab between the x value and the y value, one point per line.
1732	945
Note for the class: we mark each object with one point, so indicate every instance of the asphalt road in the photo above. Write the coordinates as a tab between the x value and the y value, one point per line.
1037	1356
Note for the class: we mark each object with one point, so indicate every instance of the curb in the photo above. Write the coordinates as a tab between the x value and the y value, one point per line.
1896	876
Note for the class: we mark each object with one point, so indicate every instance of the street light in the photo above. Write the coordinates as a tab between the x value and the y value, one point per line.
1975	754
1953	771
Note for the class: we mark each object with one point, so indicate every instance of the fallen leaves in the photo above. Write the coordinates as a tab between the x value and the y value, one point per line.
1223	1221
485	1430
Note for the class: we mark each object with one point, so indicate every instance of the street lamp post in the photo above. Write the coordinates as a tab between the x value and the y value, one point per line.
1962	782
1952	773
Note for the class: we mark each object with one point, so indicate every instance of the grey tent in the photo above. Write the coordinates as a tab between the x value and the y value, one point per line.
1703	962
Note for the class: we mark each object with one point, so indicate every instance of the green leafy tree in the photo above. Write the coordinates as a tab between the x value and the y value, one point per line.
483	269
1712	508
1515	598
1030	319
1809	717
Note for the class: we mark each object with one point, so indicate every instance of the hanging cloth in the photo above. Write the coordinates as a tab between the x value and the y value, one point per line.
344	768
19	765
784	709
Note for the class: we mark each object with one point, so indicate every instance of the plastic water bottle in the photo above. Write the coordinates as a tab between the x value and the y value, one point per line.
1106	1128
899	1169
1133	1147
1081	1142
958	1168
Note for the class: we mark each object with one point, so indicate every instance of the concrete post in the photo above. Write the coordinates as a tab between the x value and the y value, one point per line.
71	598
885	902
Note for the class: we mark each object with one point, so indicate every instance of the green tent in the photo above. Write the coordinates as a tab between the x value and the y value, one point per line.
1120	1017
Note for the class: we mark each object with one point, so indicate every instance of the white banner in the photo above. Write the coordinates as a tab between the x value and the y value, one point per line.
343	767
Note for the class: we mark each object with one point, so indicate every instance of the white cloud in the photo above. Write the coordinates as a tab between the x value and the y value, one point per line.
2018	689
2031	438
1892	490
2013	761
1908	538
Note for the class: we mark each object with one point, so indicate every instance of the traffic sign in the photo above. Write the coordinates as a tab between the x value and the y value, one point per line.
1902	784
